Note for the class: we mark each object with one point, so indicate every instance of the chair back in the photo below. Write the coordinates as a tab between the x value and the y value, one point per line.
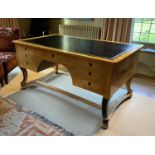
7	35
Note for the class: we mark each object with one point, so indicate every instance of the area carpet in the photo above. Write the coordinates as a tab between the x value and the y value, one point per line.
16	120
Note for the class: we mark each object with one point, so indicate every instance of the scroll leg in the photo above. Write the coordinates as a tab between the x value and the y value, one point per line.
105	113
6	78
25	76
121	100
56	68
2	82
128	86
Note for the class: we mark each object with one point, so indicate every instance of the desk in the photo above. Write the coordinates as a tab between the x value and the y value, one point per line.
98	66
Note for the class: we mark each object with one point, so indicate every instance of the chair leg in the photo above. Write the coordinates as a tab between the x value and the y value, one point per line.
2	82
6	78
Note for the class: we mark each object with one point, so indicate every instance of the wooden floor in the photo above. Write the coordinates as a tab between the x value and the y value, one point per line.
14	84
144	85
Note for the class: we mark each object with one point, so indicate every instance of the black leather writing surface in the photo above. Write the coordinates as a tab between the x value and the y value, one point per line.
103	49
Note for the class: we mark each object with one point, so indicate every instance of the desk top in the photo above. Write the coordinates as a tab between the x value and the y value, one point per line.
105	49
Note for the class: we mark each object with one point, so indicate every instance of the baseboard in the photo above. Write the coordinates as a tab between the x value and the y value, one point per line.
144	76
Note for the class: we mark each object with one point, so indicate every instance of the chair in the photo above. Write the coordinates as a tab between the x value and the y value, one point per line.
7	50
1	75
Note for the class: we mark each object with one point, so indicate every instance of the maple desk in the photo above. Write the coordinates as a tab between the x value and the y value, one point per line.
98	66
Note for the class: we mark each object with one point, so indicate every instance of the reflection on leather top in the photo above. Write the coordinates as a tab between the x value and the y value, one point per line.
104	49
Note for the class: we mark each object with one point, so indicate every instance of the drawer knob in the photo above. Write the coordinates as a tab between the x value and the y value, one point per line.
89	83
90	64
90	73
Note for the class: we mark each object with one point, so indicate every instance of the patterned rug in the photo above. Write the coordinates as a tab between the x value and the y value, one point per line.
19	121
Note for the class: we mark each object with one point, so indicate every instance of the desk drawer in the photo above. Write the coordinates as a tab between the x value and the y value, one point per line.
30	58
100	67
26	57
90	75
99	88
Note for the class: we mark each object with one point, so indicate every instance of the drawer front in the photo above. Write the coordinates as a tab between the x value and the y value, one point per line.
30	58
99	88
26	57
90	75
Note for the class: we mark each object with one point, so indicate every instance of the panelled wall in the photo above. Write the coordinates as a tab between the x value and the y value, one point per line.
25	24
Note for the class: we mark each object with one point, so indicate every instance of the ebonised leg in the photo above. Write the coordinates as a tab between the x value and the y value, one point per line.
6	78
105	113
25	76
128	86
121	100
2	82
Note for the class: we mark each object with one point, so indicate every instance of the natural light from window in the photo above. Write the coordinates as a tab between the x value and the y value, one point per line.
144	30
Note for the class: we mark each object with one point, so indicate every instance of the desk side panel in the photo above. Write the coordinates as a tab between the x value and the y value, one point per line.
124	70
26	57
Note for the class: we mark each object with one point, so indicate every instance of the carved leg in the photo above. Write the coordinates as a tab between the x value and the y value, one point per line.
6	78
2	82
119	101
128	86
25	76
105	113
56	68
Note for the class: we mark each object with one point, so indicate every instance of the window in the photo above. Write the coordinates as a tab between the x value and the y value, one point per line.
144	30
